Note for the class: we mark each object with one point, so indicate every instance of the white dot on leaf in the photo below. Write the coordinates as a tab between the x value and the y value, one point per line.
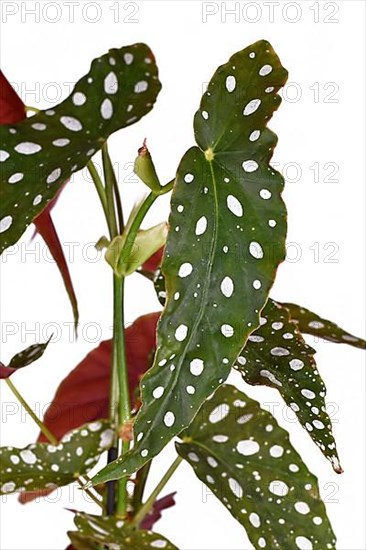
169	419
111	83
201	226
247	447
251	107
28	148
181	333
71	123
141	86
230	83
227	330
79	99
16	177
234	206
256	250
54	175
185	270
106	109
4	155
227	287
158	392
250	166
196	367
266	69
5	223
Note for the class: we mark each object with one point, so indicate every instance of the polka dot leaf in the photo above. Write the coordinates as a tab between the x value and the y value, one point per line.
310	323
23	359
276	355
247	461
225	242
45	466
95	532
38	154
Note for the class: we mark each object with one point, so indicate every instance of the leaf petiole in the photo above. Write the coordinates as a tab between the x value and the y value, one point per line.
145	508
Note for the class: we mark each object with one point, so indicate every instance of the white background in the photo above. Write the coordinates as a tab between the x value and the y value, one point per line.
311	130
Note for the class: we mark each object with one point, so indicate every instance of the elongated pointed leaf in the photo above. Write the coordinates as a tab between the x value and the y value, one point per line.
238	450
43	466
277	356
113	534
40	153
226	239
23	359
46	228
310	323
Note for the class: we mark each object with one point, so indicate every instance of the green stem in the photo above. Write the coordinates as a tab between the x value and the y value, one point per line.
140	483
139	217
46	432
110	185
100	188
145	508
120	366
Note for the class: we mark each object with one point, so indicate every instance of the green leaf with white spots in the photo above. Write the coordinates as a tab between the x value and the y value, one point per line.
23	359
246	459
40	153
112	533
226	239
310	323
43	466
276	355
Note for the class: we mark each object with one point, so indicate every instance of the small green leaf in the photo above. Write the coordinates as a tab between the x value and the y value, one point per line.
310	323
147	242
40	153
238	450
28	355
277	356
113	534
43	466
226	240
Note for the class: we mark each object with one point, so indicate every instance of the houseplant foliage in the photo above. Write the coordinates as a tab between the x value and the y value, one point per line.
213	266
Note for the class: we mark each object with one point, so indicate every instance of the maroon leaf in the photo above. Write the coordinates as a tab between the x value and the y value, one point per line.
152	264
155	514
12	110
46	228
83	395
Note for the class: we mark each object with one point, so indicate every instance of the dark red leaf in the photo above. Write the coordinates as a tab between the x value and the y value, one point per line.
84	394
45	227
155	514
12	109
5	371
152	264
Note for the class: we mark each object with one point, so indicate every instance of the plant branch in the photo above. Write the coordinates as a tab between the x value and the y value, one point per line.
100	189
139	217
140	483
110	187
46	432
145	508
120	366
